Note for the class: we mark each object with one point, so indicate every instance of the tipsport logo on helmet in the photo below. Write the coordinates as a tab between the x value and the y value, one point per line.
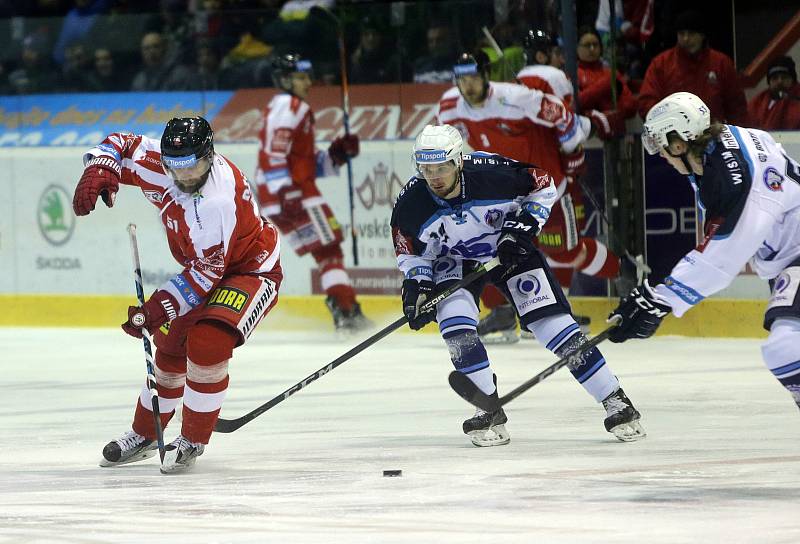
465	69
176	163
427	156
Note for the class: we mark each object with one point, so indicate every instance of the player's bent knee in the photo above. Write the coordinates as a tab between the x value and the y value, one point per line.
783	344
210	342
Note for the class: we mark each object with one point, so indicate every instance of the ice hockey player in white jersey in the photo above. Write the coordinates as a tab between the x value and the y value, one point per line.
460	211
749	191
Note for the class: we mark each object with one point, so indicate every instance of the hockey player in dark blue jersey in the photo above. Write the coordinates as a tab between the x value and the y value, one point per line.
749	190
460	211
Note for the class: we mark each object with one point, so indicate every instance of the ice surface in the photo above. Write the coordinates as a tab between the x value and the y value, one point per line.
721	462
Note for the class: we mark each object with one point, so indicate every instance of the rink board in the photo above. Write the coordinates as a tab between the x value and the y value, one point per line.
735	318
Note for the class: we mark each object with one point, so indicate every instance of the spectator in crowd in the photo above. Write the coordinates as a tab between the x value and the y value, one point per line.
595	86
104	75
635	25
176	22
694	67
504	64
375	60
557	57
209	73
157	74
778	106
75	70
291	31
437	65
35	72
77	24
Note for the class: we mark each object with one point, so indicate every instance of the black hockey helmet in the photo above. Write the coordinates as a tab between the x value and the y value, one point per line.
471	64
537	40
285	65
186	148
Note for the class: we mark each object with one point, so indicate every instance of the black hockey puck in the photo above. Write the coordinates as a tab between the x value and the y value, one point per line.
391	473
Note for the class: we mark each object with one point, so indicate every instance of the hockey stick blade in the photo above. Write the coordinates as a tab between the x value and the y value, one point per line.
470	392
230	425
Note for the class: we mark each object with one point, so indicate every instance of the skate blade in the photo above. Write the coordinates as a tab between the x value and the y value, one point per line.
141	456
177	468
494	436
500	337
629	432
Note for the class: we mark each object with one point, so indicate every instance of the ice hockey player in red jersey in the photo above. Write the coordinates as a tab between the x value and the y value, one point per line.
229	282
288	166
566	250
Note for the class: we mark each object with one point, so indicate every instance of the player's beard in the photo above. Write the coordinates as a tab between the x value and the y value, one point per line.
446	192
192	185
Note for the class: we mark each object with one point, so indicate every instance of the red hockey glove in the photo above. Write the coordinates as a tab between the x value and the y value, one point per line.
601	124
574	164
100	178
161	307
291	201
343	148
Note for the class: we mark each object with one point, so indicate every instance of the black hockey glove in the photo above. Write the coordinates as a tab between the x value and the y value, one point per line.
641	313
414	294
516	242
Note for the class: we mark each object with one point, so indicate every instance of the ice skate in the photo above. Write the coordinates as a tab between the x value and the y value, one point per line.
347	322
180	455
487	429
500	326
129	448
622	419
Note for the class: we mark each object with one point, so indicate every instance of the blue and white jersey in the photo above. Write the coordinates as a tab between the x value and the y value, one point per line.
750	196
426	227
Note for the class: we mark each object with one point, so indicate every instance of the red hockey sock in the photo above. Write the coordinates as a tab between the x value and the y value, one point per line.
209	347
170	377
600	261
492	297
333	276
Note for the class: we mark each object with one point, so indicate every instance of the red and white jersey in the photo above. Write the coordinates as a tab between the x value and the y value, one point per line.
549	80
287	155
519	123
212	233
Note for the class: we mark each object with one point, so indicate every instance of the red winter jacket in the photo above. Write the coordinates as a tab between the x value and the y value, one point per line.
767	113
594	93
709	74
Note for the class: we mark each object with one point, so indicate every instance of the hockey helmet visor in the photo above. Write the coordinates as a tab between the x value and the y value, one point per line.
186	168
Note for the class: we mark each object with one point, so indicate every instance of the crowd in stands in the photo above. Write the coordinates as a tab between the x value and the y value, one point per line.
51	46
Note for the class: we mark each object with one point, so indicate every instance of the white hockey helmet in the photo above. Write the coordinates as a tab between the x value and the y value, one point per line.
437	144
683	113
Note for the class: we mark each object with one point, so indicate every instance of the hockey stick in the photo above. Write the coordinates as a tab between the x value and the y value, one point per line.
345	115
470	392
230	425
147	341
